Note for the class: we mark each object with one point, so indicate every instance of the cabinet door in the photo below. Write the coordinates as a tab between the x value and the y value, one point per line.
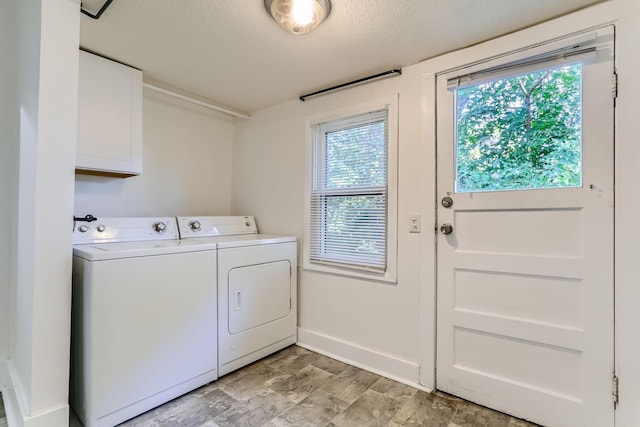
109	117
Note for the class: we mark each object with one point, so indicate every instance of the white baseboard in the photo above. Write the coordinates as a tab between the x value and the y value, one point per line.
11	407
386	365
9	397
56	417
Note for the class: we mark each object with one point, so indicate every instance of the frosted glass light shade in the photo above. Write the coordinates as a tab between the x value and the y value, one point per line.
298	16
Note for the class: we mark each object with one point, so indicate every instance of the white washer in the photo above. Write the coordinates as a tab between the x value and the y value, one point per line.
257	287
143	307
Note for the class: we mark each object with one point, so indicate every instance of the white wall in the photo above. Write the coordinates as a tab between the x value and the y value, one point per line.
372	324
186	166
40	288
8	158
626	218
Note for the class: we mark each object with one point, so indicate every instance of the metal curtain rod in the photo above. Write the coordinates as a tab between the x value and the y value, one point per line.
195	101
100	12
355	82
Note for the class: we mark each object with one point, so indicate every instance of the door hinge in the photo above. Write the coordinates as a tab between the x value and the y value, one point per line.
614	85
614	390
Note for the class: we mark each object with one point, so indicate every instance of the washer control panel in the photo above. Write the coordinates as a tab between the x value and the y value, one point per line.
131	229
211	226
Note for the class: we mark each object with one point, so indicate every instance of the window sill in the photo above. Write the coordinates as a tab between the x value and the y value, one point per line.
387	277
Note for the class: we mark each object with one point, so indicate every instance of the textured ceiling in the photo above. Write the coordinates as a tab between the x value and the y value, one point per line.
232	53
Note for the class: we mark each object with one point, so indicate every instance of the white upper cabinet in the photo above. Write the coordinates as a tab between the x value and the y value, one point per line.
109	118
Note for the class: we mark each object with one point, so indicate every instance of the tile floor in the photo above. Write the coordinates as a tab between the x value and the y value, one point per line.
297	387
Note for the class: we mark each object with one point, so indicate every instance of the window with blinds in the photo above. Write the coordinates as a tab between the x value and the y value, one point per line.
349	192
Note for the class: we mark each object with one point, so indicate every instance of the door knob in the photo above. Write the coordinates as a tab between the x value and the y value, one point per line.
446	229
447	202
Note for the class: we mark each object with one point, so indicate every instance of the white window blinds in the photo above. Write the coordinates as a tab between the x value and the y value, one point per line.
348	199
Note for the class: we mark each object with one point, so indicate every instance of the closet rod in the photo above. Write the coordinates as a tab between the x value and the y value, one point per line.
378	76
195	101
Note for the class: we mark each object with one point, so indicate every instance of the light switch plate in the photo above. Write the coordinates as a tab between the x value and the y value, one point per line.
414	223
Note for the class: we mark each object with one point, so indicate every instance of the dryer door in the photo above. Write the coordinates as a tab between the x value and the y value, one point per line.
258	294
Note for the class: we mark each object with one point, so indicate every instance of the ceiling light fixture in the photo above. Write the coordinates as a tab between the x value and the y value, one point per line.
298	16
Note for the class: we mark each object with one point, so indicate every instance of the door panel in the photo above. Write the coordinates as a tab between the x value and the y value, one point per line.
525	297
554	231
525	280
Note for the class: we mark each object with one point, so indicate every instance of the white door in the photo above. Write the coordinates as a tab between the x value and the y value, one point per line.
525	275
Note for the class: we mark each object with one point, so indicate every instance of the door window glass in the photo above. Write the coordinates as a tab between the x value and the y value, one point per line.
521	132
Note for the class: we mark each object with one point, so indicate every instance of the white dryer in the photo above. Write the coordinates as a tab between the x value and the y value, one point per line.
143	307
257	287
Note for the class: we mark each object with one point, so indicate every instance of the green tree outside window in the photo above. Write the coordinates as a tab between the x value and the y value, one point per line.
521	132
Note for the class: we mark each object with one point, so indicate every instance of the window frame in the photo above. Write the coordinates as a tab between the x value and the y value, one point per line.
389	275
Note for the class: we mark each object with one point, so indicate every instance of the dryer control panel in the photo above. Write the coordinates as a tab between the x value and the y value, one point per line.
211	226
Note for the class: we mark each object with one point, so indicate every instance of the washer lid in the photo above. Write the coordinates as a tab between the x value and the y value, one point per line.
107	251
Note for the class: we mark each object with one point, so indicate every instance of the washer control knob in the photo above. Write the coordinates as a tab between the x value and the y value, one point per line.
100	228
160	227
83	229
194	225
248	223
